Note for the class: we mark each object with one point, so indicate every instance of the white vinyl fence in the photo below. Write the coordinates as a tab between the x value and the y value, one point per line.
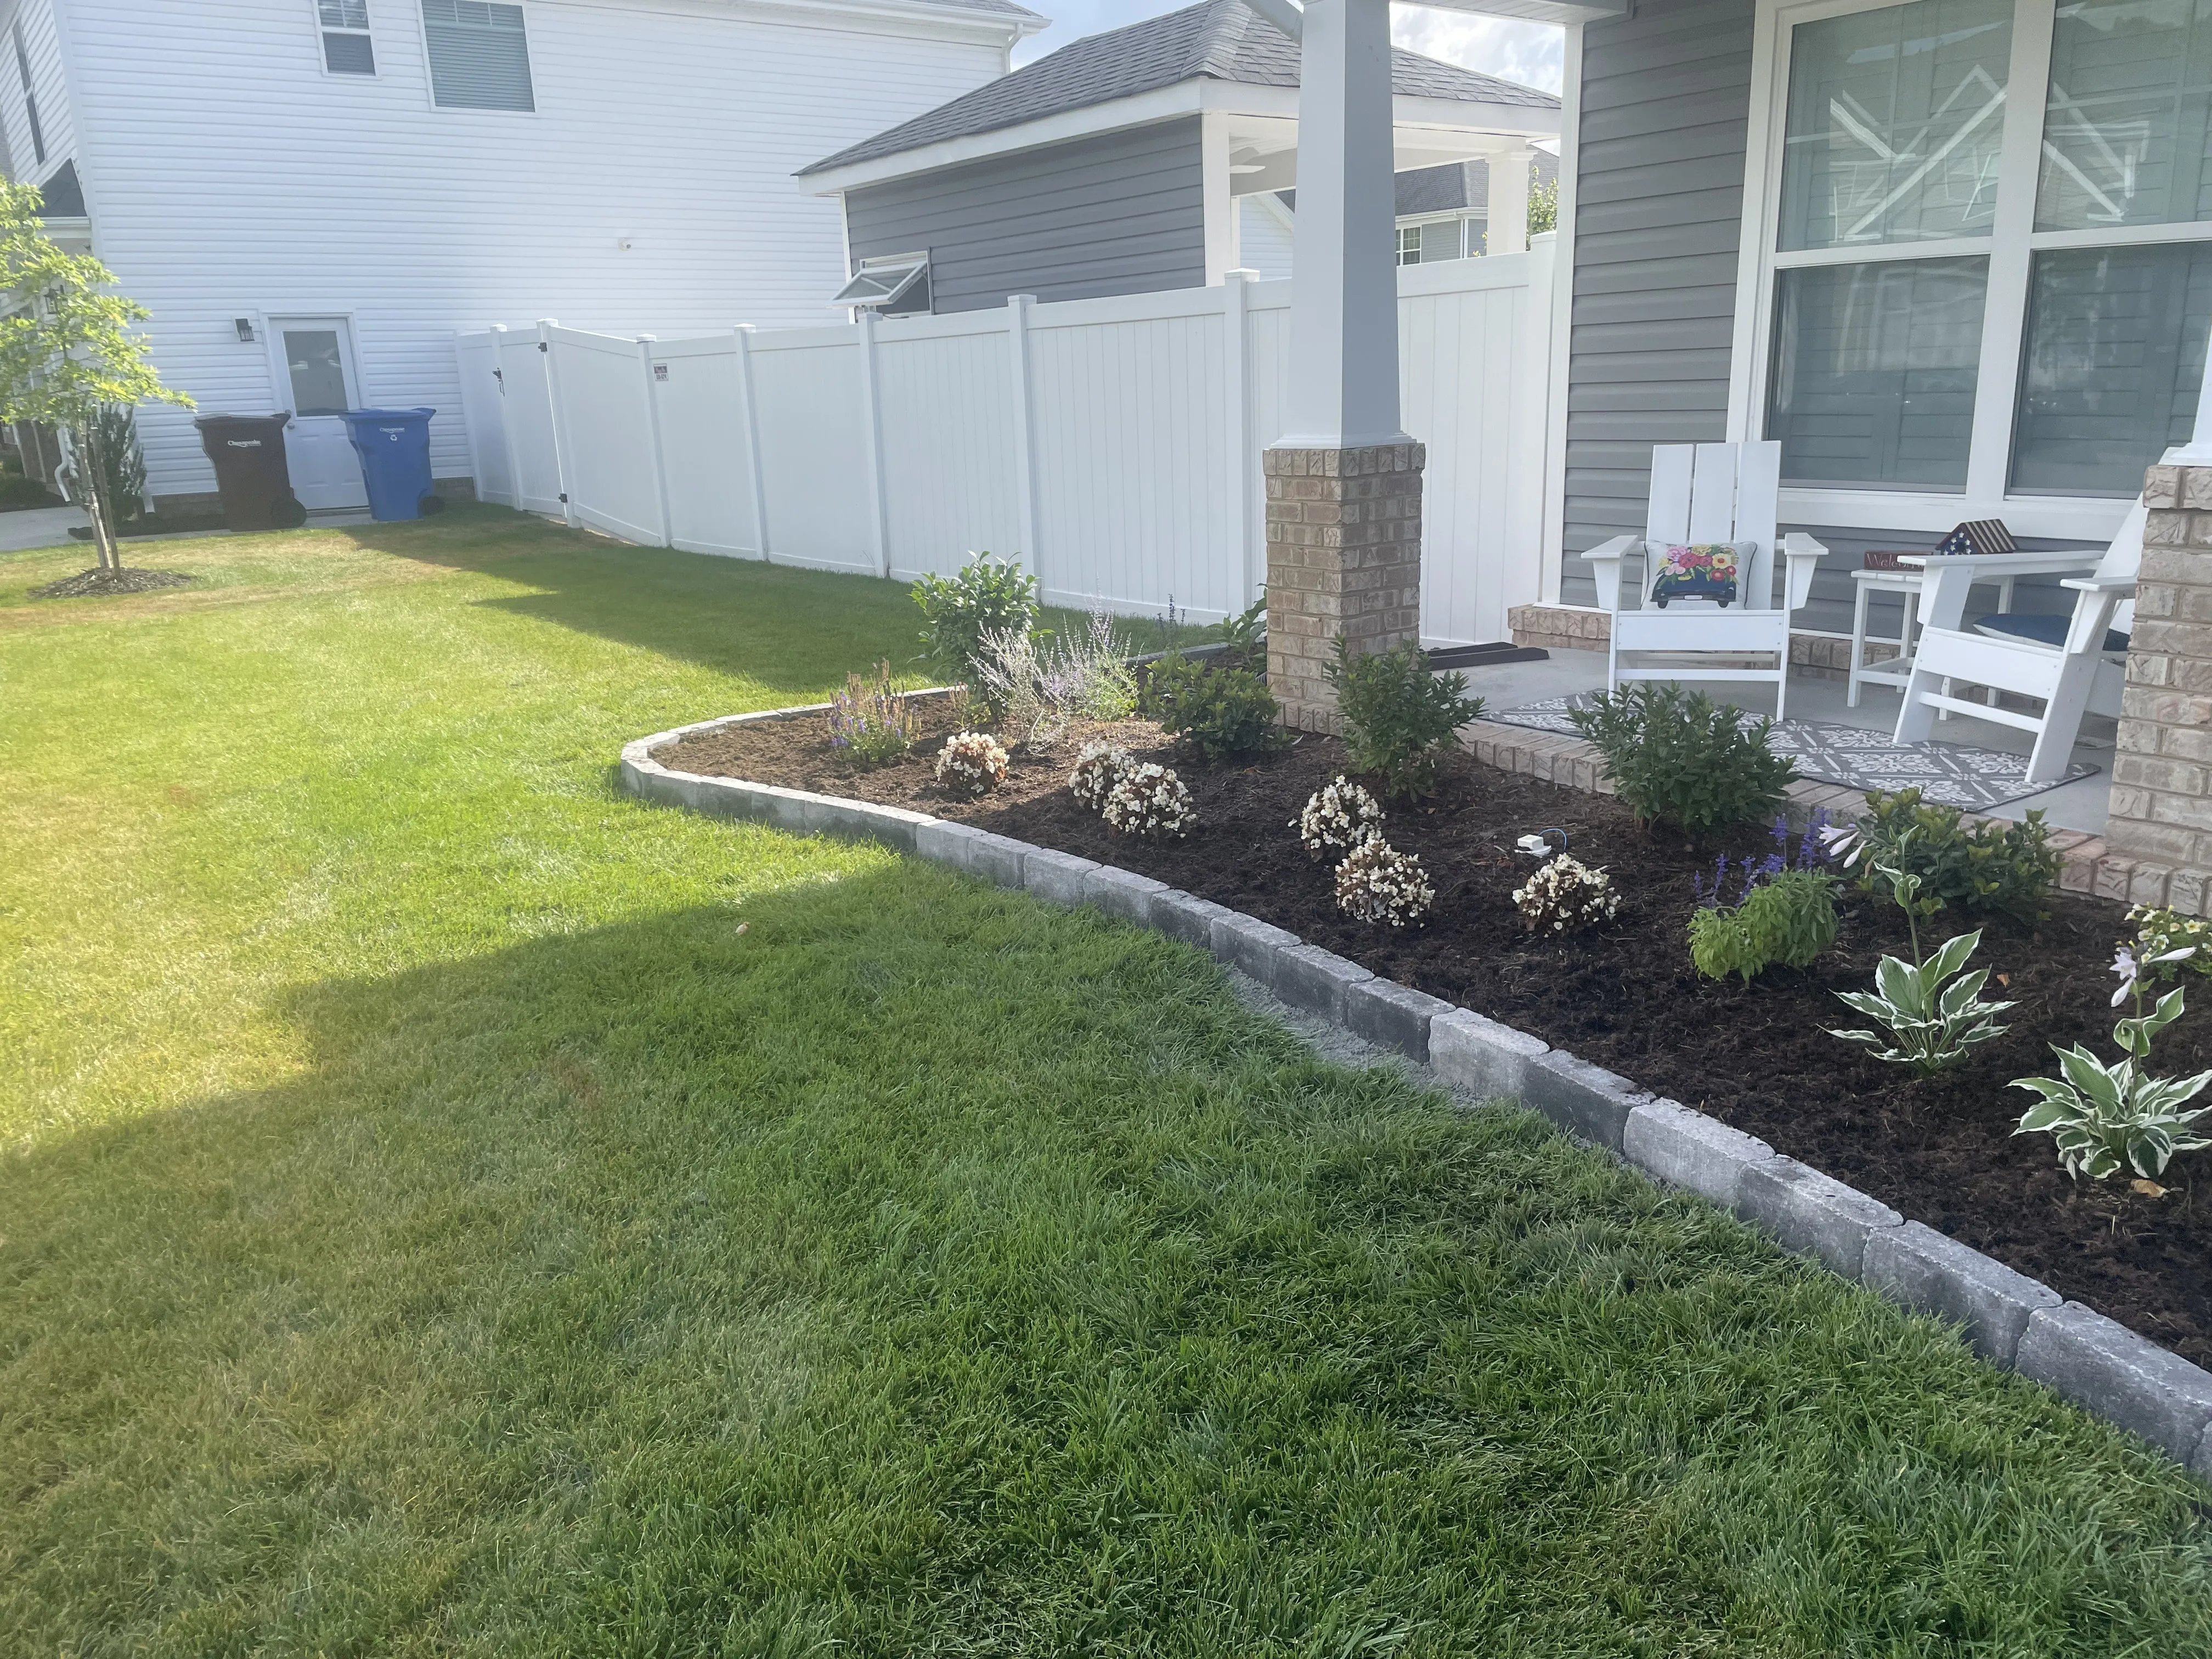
1112	445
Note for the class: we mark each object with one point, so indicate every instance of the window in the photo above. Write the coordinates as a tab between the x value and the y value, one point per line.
1425	241
479	55
889	283
347	48
1979	292
30	97
1409	245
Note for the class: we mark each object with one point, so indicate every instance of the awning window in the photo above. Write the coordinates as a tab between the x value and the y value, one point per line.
882	281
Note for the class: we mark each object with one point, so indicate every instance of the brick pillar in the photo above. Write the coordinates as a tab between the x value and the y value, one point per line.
1344	556
2159	842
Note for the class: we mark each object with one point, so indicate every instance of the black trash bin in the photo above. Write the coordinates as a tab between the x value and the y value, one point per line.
248	453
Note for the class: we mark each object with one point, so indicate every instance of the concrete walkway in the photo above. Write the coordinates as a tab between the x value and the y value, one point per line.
40	526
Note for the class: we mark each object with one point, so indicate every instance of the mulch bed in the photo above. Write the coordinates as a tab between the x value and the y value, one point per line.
88	582
1625	996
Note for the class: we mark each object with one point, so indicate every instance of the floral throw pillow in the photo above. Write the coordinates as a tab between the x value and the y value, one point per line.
1707	570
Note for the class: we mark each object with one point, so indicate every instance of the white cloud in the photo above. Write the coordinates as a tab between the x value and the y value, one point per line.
1504	47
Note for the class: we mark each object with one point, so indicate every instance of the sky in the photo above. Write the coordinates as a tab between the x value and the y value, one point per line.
1504	47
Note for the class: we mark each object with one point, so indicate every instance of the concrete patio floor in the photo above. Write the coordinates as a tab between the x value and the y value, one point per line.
2080	805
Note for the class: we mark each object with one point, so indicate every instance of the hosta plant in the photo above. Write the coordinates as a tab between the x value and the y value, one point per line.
1337	817
972	763
1565	896
2109	1118
1098	768
1931	1024
1377	883
1150	801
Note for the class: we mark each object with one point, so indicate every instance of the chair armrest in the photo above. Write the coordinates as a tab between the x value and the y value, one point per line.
1995	567
2094	611
1605	565
2122	586
1803	555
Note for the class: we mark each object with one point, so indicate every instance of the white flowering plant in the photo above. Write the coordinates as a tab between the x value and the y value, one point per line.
1336	818
971	764
1565	896
1098	768
1376	883
1151	802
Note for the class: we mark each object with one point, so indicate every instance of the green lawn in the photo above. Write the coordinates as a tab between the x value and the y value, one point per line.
452	1208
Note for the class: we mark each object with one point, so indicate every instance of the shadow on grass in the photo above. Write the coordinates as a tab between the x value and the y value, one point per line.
771	623
915	1268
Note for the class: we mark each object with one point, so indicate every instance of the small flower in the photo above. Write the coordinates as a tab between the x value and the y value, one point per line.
1843	841
2124	964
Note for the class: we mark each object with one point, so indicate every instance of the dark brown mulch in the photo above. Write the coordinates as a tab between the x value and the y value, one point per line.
89	582
1626	997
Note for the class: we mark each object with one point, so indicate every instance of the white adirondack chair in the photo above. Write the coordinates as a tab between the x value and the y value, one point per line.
2073	665
1708	493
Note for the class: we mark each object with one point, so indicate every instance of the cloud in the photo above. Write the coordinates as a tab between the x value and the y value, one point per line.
1506	47
1531	54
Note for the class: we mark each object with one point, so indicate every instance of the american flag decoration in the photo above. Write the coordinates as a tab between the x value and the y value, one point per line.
1978	535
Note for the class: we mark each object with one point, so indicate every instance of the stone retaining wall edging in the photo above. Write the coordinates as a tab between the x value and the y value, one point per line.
2008	1318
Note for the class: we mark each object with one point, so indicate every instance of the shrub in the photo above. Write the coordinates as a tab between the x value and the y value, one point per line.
2111	1117
2007	867
971	764
1565	896
1245	633
25	492
1931	1024
1376	883
1789	919
1098	768
1680	758
1224	713
1152	802
869	721
1337	817
986	596
1040	686
1399	717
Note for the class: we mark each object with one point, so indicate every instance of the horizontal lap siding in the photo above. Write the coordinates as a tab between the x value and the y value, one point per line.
1665	101
1120	214
229	176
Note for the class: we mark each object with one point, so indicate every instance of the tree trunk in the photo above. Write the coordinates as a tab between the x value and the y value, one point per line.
89	476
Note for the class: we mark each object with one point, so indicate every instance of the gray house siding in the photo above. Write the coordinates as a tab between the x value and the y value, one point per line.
1120	214
1659	201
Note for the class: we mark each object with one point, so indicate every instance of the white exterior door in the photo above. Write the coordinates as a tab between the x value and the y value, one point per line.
316	377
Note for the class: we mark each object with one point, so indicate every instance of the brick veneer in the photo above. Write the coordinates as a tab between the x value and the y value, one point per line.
1344	558
2160	826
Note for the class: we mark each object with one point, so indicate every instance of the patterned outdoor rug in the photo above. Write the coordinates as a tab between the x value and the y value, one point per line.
1975	779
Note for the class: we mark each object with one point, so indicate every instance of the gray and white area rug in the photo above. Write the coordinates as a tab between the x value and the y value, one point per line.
1954	774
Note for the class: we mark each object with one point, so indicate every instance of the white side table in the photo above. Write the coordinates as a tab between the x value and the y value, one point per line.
1906	581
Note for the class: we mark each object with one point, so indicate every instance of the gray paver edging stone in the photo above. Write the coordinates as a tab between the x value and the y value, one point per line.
2008	1317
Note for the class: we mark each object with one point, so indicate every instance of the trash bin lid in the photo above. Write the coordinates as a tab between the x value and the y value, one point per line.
212	422
378	416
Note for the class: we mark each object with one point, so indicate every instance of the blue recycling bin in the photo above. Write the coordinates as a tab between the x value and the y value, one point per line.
394	446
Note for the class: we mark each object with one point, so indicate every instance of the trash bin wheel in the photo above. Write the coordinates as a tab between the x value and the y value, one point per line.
287	514
433	504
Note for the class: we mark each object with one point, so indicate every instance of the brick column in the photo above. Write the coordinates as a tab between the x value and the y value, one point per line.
1344	558
2159	842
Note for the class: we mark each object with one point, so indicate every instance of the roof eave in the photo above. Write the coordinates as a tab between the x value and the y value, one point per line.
1191	97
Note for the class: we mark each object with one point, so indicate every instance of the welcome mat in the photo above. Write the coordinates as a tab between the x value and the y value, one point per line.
1952	773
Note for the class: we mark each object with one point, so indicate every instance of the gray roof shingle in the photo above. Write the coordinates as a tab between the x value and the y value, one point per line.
1216	39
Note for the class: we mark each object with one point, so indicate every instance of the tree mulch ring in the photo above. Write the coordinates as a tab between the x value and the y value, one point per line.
88	582
1624	995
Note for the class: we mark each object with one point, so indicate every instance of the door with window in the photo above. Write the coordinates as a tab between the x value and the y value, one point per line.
316	371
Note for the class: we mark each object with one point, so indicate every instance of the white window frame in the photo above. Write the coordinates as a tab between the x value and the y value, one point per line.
322	58
2011	244
466	112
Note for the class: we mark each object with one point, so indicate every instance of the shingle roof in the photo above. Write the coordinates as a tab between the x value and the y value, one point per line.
1216	39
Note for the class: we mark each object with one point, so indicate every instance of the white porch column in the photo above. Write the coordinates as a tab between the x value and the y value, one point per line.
1343	389
1344	481
1508	224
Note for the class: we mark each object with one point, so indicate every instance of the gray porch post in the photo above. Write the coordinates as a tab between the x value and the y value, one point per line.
1344	481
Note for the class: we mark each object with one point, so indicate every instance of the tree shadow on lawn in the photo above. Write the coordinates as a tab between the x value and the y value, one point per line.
778	625
889	1261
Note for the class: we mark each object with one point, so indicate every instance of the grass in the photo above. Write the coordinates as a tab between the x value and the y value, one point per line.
453	1208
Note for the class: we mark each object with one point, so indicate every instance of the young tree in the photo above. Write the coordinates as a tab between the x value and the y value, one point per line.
68	351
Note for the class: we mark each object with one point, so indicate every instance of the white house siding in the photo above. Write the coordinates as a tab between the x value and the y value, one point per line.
42	46
1263	241
229	176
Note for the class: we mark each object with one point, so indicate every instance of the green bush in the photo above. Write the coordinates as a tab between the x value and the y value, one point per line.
15	491
1679	758
987	596
1788	921
1223	713
2008	867
1399	717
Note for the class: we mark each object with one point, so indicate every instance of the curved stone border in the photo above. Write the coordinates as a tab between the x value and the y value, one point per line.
2009	1319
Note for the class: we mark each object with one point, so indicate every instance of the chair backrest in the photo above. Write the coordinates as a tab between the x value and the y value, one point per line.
2124	558
1719	493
